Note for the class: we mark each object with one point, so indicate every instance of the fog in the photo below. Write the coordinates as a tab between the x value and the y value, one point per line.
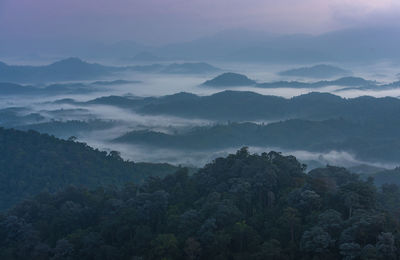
142	153
157	84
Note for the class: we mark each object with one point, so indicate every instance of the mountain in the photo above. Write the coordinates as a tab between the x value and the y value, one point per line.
176	68
367	46
114	51
229	80
367	141
365	170
146	57
213	47
345	82
66	129
250	106
115	82
318	71
14	116
13	89
64	70
237	80
32	163
243	206
190	68
257	46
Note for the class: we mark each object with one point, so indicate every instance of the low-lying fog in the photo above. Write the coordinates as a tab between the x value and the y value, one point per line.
166	84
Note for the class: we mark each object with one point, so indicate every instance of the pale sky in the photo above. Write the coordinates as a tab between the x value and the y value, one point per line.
164	21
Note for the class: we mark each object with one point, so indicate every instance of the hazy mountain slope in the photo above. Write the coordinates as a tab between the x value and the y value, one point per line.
368	141
357	44
239	80
68	69
229	80
11	89
31	163
73	69
316	71
242	105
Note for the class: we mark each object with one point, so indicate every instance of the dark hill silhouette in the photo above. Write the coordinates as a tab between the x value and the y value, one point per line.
32	163
68	69
230	80
239	106
318	71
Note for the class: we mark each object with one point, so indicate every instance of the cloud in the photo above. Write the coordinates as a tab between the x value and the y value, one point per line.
162	21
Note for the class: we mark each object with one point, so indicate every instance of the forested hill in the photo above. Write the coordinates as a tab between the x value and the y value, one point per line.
239	207
244	105
31	163
367	141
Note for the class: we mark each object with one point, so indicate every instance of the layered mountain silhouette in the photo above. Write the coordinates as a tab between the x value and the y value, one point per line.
230	80
320	71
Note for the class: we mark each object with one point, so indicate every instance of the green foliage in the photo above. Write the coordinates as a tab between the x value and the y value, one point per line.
31	163
240	207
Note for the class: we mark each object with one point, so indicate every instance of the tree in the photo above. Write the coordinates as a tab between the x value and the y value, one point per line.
192	249
270	249
331	221
290	218
369	252
164	246
386	246
63	250
350	251
316	241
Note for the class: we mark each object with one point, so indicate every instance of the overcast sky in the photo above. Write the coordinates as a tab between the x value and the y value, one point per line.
164	21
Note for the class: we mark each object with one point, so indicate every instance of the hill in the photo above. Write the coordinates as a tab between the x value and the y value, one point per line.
31	163
345	82
240	207
250	106
64	70
176	68
318	71
331	46
147	57
367	141
230	80
190	68
238	80
66	129
14	116
12	89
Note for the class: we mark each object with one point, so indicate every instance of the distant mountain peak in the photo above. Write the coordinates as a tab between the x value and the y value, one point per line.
146	56
316	71
230	79
190	68
69	61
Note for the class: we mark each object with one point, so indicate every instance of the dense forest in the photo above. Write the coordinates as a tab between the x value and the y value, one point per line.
31	163
243	206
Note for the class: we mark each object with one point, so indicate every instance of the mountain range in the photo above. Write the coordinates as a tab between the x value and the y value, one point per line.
75	69
238	80
320	71
250	106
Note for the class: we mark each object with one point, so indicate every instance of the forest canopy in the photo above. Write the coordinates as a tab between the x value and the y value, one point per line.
244	206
